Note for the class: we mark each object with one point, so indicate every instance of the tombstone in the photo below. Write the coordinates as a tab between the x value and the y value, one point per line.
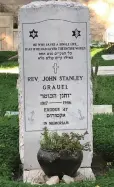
55	77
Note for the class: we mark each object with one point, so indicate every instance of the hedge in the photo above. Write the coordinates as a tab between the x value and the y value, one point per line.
9	146
103	139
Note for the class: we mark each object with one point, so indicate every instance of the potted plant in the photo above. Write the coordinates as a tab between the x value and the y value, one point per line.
61	154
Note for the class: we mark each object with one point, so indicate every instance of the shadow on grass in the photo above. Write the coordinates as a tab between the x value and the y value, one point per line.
4	62
97	56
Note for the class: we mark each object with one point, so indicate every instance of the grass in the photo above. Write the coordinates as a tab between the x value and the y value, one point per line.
8	93
96	54
4	62
103	139
105	90
8	64
9	146
105	181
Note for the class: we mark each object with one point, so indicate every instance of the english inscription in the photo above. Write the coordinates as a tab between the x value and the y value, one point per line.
55	76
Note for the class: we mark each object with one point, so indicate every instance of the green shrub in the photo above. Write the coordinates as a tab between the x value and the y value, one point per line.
9	146
103	139
64	142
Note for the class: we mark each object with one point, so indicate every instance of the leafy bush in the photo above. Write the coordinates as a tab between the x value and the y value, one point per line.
9	146
103	129
65	142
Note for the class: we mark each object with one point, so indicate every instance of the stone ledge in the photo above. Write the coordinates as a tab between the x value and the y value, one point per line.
102	109
38	176
105	70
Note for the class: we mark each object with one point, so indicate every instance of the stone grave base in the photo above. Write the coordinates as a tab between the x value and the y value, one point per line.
38	176
108	57
105	70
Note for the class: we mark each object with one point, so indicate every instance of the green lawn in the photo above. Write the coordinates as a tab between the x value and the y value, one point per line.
104	182
8	93
96	56
9	64
103	136
105	90
4	62
9	146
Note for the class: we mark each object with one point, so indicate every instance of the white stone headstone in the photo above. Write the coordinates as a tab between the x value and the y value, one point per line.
55	70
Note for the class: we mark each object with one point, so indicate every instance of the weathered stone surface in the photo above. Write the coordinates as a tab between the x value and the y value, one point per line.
53	180
105	70
34	176
67	179
84	174
79	177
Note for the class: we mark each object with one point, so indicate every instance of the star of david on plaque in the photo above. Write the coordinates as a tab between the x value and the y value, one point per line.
55	67
76	33
33	34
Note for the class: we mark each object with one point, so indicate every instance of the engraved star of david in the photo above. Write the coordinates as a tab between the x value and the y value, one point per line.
33	34
76	33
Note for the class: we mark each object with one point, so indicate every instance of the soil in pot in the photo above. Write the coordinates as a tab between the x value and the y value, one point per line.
63	163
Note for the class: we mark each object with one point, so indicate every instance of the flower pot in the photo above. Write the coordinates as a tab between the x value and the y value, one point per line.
59	163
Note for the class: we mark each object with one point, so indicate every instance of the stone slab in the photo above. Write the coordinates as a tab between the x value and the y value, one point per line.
38	176
108	57
105	70
34	176
11	113
100	109
10	70
85	174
